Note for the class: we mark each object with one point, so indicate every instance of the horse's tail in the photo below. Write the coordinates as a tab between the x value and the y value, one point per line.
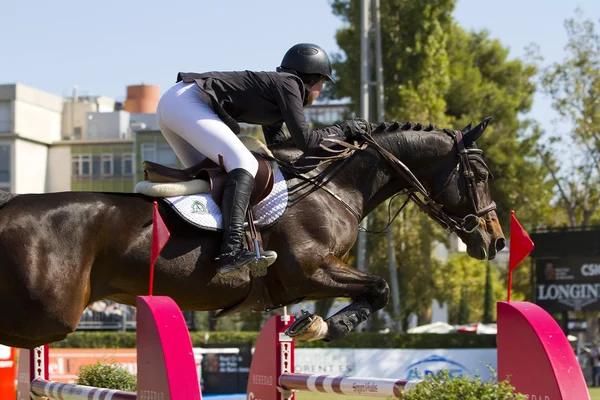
5	197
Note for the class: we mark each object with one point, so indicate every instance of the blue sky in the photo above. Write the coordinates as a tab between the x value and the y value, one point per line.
103	46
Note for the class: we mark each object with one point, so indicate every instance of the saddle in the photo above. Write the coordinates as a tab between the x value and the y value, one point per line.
215	174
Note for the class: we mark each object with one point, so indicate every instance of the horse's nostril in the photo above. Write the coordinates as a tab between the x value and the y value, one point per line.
500	244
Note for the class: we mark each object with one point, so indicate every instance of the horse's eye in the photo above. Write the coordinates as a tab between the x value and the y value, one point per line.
483	177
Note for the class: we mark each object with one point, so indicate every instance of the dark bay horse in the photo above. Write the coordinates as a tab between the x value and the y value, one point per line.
59	252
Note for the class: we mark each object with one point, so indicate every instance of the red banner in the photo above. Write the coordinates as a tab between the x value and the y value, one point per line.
7	372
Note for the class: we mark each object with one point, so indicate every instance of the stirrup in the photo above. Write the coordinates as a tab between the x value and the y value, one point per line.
257	265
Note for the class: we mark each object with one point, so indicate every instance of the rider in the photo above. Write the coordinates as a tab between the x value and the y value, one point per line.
199	117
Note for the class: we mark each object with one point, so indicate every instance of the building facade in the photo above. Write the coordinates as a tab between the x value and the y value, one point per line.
75	114
30	121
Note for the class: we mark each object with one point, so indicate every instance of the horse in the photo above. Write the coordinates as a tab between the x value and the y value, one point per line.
60	252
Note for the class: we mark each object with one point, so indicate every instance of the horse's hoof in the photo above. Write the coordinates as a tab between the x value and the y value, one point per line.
307	327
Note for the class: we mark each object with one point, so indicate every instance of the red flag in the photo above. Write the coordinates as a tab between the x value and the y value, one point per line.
520	243
520	246
160	237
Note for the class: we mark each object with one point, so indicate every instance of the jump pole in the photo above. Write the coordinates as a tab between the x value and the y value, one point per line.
166	368
272	374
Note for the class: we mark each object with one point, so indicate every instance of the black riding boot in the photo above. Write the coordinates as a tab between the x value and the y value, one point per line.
235	258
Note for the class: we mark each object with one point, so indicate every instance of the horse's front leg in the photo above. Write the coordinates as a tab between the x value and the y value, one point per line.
369	293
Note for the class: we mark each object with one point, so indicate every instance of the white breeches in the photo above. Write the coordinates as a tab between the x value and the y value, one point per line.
194	131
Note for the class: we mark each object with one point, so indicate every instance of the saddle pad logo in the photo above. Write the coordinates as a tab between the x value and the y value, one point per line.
199	208
202	211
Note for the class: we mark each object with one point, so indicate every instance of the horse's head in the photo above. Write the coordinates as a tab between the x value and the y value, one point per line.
465	196
451	184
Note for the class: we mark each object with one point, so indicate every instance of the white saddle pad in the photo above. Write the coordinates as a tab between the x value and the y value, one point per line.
202	211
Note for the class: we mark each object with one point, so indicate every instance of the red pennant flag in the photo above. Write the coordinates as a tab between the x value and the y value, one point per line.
520	243
160	237
520	247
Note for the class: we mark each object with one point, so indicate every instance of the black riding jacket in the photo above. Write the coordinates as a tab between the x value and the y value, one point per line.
262	98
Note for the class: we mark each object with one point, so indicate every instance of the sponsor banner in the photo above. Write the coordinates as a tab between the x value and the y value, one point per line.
397	363
570	283
65	364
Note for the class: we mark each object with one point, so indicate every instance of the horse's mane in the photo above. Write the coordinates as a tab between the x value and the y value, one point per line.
377	129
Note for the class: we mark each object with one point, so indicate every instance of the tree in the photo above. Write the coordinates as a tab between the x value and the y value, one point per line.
573	156
464	314
436	72
574	87
488	297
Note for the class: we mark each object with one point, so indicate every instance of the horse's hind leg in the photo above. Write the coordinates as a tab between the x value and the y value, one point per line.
369	293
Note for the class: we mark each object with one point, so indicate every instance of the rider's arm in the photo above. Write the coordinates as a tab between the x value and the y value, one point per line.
292	109
273	133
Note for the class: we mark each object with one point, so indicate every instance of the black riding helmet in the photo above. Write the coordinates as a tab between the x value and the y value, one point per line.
307	59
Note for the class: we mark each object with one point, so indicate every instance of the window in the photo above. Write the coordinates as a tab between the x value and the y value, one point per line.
159	153
149	152
82	165
5	117
107	164
5	151
165	155
127	164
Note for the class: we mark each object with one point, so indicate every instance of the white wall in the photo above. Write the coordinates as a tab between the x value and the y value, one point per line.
30	167
112	125
37	114
37	123
58	175
76	114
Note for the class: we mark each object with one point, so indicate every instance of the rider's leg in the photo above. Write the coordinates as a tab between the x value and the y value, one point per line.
182	112
188	155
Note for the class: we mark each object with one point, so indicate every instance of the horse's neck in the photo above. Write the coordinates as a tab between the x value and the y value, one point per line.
365	180
375	178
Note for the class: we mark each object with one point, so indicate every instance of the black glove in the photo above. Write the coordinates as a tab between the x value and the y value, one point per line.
354	129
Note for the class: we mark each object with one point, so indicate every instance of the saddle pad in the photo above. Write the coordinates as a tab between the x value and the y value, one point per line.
201	210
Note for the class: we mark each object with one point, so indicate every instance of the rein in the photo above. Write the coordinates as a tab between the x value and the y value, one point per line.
418	194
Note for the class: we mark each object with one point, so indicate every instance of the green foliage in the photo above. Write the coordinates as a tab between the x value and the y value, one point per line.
97	340
437	72
443	387
488	299
353	340
484	82
464	285
574	87
464	315
107	376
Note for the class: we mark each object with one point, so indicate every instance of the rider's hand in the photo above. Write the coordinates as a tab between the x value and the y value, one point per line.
354	129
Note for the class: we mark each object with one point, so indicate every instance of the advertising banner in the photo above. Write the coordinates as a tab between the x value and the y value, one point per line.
7	372
569	283
396	363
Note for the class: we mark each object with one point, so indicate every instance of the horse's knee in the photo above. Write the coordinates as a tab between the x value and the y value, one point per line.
380	294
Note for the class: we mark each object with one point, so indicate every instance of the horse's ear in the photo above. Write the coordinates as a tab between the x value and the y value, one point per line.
467	128
473	134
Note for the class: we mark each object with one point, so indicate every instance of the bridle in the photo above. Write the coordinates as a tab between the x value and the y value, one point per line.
417	193
426	202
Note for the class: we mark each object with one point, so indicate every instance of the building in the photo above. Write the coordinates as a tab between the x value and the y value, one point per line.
75	113
30	121
327	114
93	165
150	145
142	99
